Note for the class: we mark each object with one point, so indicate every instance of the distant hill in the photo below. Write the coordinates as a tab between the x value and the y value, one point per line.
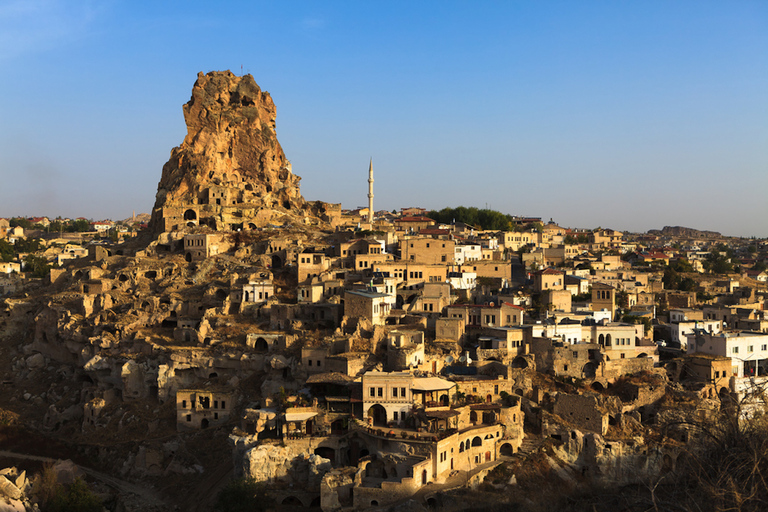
142	218
682	232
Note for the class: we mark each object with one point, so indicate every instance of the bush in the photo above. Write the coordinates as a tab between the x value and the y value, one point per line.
243	495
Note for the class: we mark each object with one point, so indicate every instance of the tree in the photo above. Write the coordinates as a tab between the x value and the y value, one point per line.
77	498
37	265
7	251
622	299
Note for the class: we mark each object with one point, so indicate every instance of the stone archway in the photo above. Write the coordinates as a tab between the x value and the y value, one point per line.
519	362
506	450
377	415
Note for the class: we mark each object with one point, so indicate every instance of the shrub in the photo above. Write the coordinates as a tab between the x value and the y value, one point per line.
243	495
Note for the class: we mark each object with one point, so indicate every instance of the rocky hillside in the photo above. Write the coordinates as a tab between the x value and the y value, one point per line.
681	232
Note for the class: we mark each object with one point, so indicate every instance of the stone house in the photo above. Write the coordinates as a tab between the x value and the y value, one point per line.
258	291
387	397
202	246
503	314
490	269
603	298
198	409
312	265
428	250
450	329
500	343
548	279
413	224
373	306
405	350
583	411
348	250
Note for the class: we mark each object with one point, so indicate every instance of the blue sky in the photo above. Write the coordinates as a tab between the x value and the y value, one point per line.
630	115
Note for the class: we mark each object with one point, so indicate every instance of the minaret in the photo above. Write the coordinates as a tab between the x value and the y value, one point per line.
370	192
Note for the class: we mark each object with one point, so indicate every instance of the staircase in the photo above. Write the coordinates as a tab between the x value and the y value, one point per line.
531	444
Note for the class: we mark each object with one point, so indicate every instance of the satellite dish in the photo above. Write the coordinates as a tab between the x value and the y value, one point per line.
449	359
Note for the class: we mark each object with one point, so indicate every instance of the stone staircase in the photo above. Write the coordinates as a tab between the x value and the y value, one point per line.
531	444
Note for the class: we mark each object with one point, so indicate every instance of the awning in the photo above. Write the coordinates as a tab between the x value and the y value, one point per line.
431	384
299	416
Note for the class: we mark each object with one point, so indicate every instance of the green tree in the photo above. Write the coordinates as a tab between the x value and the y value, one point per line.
37	265
77	498
7	251
20	221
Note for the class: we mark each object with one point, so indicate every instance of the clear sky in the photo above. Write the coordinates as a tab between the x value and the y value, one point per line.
624	114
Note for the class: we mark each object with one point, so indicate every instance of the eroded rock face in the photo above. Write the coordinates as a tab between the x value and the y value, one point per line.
230	160
267	463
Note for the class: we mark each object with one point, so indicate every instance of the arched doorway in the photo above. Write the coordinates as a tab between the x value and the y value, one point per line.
204	423
424	477
506	450
261	345
190	215
276	261
519	363
377	415
589	371
292	501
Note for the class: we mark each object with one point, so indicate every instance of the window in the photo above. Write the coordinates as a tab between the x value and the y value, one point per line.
763	347
319	363
215	404
189	417
223	404
381	392
496	389
394	394
394	415
735	350
373	391
215	415
309	363
750	348
402	392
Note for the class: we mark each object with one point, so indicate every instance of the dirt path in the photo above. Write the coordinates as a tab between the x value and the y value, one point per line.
148	497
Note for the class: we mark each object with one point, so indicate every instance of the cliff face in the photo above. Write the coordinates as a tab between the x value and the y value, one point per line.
231	158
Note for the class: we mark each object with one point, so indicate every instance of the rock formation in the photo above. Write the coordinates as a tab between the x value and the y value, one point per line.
230	172
682	232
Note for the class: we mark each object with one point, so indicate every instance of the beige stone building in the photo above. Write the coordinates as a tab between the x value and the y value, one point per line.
428	250
198	409
367	304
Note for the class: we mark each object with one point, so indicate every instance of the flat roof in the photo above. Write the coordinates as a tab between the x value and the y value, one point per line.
299	416
370	295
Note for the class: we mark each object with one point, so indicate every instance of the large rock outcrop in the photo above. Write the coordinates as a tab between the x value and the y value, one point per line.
230	171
